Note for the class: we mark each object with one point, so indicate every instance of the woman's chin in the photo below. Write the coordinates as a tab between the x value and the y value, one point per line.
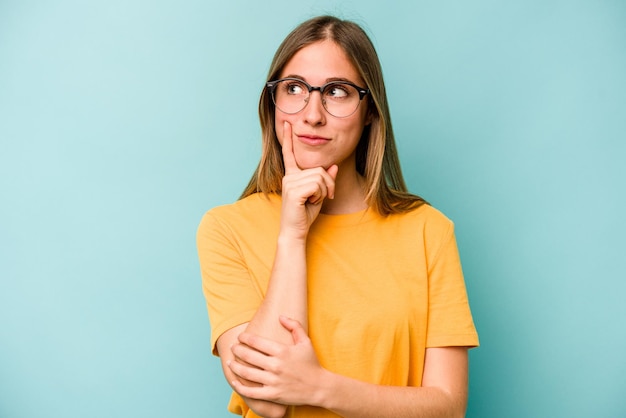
306	163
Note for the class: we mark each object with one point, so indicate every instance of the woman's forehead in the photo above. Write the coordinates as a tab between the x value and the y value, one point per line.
321	62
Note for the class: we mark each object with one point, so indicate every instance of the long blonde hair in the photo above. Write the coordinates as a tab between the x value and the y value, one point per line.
376	153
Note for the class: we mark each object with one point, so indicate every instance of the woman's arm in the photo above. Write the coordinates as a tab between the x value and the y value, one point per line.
260	407
286	294
303	192
443	392
291	374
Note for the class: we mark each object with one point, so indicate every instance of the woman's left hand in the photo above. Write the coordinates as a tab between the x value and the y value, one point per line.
289	374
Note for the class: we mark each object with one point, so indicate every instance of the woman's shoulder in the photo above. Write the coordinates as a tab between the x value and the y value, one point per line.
253	208
426	214
427	222
430	226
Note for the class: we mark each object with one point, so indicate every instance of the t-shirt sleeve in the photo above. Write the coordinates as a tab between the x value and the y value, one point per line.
231	297
450	320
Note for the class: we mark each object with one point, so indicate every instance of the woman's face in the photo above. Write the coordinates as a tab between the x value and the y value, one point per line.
320	139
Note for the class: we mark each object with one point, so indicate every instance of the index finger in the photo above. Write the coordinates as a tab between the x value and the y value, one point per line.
289	158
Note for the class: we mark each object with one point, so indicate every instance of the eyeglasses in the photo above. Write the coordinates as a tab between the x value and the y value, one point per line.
340	98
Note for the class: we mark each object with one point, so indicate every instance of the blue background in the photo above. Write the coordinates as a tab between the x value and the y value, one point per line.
122	122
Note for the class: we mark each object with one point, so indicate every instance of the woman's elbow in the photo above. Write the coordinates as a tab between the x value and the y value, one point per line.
267	409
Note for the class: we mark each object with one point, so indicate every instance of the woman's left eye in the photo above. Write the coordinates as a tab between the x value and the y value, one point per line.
337	91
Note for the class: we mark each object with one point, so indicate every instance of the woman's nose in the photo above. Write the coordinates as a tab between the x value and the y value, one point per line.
314	112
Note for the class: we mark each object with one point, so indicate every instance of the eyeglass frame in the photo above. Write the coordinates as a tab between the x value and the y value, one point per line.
271	86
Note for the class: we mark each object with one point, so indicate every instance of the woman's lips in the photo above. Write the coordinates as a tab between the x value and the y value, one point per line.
313	139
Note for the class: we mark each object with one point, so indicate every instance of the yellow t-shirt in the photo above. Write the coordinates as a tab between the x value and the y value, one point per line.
380	289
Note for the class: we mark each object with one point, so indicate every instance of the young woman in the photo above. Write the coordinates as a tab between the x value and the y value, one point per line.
331	290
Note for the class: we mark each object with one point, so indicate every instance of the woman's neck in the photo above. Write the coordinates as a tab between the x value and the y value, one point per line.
349	194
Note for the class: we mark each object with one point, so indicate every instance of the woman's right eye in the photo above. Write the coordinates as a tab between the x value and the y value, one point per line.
295	88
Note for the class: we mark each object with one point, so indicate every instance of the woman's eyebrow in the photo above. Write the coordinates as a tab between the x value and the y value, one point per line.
328	80
299	77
